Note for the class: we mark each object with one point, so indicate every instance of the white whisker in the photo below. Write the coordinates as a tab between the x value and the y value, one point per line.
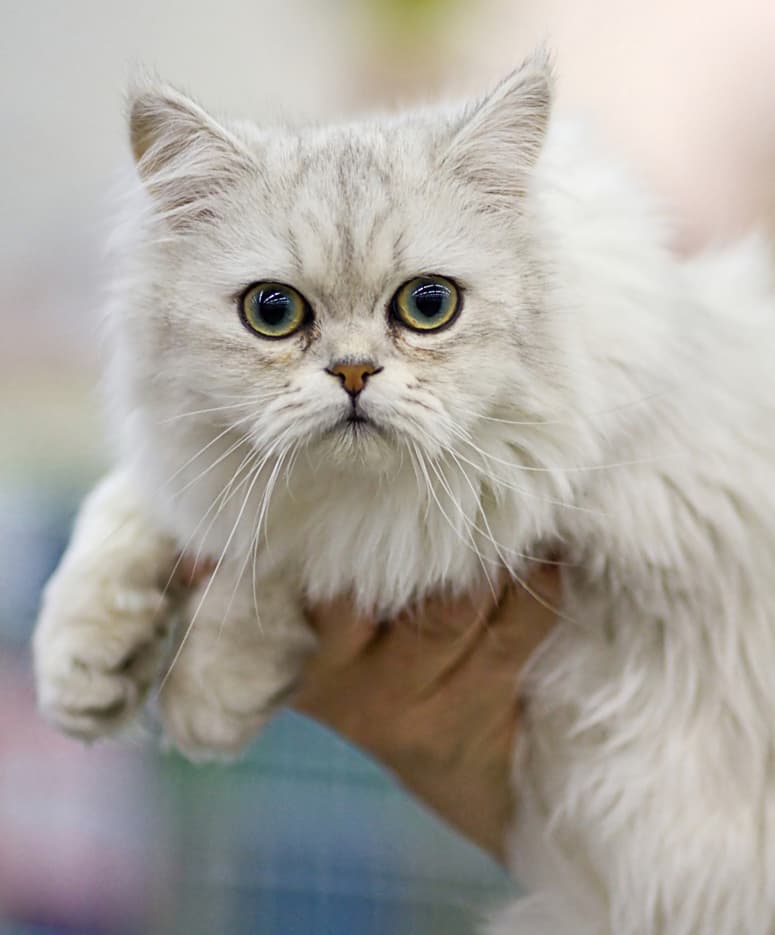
483	560
228	407
253	544
229	428
429	487
219	497
222	457
489	534
579	415
502	482
537	469
229	491
219	563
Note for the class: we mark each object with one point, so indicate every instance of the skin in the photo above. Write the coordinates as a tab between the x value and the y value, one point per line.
434	695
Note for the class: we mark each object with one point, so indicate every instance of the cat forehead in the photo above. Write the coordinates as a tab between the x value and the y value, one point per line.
355	207
347	161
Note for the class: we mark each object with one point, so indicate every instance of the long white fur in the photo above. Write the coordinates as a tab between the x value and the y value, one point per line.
596	396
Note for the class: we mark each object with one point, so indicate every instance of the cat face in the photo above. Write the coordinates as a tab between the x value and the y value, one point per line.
360	290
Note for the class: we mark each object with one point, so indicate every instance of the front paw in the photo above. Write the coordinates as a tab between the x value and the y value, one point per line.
215	700
96	658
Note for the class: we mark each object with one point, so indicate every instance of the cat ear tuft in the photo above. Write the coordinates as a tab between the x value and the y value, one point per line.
499	138
184	157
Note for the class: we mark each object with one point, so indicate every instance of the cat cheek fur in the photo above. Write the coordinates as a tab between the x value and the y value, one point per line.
595	391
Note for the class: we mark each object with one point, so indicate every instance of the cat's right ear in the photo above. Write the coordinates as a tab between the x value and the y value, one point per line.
184	157
497	141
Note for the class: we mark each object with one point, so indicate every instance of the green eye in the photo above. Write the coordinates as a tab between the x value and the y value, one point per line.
273	310
426	303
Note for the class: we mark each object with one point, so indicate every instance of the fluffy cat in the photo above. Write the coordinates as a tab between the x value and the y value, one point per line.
391	357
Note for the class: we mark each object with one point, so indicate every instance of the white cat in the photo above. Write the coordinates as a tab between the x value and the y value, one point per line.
393	356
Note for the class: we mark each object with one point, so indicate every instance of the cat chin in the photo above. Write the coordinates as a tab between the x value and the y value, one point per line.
362	444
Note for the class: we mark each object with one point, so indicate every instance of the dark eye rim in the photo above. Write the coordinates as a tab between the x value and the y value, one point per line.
459	292
307	319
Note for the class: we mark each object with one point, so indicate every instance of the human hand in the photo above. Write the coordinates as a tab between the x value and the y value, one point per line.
434	695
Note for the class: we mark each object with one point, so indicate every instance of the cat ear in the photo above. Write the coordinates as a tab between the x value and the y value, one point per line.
184	157
499	138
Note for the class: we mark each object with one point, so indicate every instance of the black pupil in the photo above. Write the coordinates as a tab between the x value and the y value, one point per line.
274	306
430	299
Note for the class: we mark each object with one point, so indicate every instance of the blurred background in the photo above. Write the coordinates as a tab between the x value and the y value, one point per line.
305	836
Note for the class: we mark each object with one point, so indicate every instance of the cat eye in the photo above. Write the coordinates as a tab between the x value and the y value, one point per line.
426	303
274	310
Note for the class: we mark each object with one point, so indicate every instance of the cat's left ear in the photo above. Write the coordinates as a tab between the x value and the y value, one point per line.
184	157
499	139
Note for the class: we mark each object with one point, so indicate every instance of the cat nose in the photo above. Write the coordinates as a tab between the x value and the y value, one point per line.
353	375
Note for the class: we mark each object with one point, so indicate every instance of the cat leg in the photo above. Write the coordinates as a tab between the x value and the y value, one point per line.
102	631
234	664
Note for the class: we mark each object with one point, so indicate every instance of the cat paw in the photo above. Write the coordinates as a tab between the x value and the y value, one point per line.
209	714
212	705
94	667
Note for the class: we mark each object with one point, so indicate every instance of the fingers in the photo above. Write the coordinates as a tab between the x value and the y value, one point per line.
343	631
444	617
530	606
434	694
519	616
522	620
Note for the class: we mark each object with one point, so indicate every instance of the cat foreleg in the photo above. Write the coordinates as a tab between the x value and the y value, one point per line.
239	655
102	632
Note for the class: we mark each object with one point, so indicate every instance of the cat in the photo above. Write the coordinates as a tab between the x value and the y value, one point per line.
392	357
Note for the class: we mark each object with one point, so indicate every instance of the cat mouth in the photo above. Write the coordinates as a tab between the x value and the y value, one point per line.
357	424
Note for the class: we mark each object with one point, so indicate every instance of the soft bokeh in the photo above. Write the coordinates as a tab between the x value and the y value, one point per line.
304	836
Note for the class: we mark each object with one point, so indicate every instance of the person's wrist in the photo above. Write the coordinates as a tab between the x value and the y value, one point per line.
474	799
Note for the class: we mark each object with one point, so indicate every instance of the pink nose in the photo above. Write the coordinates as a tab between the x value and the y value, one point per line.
353	376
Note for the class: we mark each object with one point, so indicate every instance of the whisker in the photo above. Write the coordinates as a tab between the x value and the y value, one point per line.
291	465
515	465
539	598
252	545
225	492
429	486
502	482
263	518
456	430
580	415
483	561
243	404
222	457
249	460
209	585
488	534
204	448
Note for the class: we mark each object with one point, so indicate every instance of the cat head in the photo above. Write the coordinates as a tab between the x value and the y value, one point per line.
358	290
